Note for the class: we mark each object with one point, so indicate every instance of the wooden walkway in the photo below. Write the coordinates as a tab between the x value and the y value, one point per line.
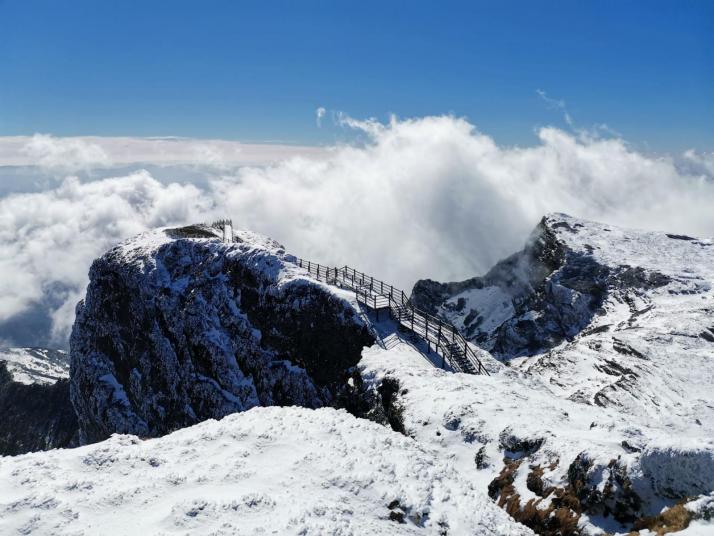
440	336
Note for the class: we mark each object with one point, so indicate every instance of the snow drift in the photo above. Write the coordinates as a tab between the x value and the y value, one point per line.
268	470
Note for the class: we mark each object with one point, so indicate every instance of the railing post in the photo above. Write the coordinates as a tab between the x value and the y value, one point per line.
426	332
412	320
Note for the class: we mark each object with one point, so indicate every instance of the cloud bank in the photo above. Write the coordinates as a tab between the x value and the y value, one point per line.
87	152
429	197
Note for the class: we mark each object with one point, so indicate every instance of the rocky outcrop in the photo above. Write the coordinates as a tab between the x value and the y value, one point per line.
178	327
606	316
535	299
558	466
34	401
604	412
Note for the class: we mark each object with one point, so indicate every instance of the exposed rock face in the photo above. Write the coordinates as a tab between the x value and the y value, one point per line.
606	316
34	401
535	299
178	327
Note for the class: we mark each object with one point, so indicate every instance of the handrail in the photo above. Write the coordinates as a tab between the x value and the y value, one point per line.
446	339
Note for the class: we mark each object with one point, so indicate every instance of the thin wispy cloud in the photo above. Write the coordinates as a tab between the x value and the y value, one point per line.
556	104
319	114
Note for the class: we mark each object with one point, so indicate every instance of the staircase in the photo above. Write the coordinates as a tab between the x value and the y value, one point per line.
381	297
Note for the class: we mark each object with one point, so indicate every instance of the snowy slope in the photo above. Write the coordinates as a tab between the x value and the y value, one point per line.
648	351
35	365
606	463
607	316
264	471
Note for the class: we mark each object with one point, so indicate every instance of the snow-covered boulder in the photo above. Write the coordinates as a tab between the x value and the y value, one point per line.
35	409
179	326
263	471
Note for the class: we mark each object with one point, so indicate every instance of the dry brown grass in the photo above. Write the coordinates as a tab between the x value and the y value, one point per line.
671	520
557	519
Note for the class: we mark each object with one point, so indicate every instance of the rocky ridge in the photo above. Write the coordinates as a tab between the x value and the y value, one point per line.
605	316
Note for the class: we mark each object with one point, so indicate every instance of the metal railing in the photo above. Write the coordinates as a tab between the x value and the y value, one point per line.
439	335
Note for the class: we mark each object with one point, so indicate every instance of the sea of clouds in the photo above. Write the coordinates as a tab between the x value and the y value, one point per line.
428	197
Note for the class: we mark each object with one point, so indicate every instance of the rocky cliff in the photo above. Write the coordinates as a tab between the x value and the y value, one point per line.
178	326
608	316
34	401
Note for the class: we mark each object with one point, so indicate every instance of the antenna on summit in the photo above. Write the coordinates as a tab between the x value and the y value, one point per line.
226	226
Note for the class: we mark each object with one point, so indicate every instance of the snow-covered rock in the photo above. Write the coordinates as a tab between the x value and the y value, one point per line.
264	471
606	316
610	326
558	465
35	365
35	409
179	326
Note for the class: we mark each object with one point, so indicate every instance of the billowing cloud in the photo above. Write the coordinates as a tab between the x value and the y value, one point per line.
429	197
49	239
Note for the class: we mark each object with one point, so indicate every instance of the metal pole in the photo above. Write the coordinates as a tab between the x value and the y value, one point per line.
426	332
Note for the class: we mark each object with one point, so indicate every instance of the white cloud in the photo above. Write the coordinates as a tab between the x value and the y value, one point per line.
432	197
429	197
88	152
49	239
319	114
557	104
64	154
700	163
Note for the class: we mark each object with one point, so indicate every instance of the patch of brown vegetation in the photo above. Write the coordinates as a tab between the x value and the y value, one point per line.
672	519
557	510
559	518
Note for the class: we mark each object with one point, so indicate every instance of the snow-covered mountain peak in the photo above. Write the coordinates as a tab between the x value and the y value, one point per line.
265	253
605	315
678	256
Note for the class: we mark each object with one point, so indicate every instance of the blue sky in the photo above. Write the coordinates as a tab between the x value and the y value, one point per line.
256	71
